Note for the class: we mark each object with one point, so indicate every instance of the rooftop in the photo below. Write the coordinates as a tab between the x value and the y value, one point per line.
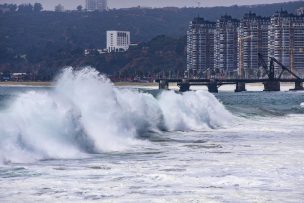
251	16
199	20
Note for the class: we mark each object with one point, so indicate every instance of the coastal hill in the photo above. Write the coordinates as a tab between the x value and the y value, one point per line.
44	41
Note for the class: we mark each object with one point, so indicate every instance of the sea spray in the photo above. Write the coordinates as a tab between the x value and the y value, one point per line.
85	114
192	111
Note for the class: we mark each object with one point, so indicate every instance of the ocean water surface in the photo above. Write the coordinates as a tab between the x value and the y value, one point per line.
85	140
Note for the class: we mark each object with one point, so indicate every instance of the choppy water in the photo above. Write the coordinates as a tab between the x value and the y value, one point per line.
85	140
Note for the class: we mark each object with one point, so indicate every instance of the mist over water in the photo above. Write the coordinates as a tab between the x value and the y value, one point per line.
86	114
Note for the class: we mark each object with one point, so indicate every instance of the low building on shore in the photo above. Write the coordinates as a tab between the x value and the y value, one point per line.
94	51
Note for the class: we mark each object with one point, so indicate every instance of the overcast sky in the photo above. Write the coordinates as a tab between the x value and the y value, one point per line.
72	4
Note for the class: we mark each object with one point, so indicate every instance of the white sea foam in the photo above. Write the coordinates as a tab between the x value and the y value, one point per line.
86	113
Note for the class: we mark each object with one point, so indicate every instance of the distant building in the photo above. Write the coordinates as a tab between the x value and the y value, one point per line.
6	76
200	47
300	11
226	44
95	51
19	76
96	5
253	39
286	40
118	41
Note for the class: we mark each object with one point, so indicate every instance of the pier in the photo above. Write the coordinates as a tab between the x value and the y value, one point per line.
240	84
271	82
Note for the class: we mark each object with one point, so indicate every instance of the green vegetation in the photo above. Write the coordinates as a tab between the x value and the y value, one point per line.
148	59
42	42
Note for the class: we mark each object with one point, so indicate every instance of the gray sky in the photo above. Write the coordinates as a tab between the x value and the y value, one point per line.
72	4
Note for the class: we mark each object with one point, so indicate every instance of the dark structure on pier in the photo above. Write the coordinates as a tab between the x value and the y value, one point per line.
271	82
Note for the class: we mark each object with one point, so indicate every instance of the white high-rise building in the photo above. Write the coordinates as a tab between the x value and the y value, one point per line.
286	40
200	47
226	44
96	5
118	41
253	39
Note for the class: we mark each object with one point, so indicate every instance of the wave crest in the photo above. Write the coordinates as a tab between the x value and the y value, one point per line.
85	113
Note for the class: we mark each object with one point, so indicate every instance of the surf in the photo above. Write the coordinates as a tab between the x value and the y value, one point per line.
85	113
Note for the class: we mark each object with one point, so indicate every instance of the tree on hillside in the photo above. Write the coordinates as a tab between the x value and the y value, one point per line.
38	7
59	8
79	8
25	8
12	7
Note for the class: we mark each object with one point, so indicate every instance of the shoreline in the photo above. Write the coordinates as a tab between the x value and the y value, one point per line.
26	84
51	84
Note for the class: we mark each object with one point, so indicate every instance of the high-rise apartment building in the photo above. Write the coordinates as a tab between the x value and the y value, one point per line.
253	39
200	47
286	40
118	41
226	45
231	46
96	5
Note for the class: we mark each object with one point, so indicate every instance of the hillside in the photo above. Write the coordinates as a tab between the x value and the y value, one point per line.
30	39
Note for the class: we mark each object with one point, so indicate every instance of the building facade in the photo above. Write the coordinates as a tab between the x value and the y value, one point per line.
286	40
200	48
226	45
118	41
300	11
96	5
232	47
252	40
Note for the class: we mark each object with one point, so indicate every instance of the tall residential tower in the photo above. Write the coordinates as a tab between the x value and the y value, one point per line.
200	47
253	39
226	45
286	40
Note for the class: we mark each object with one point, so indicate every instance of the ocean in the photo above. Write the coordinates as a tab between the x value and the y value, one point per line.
85	140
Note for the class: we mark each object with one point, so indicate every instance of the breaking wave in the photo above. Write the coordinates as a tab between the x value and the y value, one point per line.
86	114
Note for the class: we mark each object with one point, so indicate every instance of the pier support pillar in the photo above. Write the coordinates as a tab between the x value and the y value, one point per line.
184	86
212	86
163	85
240	87
298	86
272	86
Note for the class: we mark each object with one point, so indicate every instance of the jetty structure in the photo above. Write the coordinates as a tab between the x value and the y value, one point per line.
271	81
